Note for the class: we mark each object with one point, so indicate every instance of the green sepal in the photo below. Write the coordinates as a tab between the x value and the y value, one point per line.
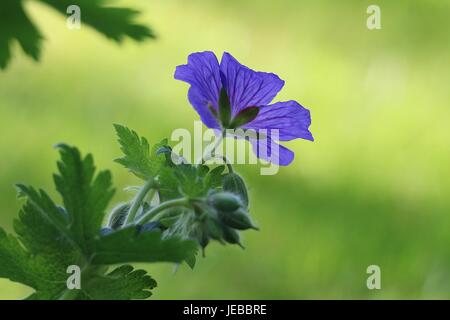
224	108
244	116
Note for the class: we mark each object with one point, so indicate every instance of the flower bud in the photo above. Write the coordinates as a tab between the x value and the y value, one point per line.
118	215
203	239
200	233
238	219
214	229
232	182
231	236
225	201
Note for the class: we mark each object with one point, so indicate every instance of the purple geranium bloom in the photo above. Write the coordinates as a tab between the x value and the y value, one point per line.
231	95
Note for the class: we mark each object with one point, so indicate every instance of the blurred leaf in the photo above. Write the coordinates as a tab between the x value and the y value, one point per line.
114	23
15	25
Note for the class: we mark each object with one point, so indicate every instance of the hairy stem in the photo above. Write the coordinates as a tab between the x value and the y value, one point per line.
156	212
151	194
138	201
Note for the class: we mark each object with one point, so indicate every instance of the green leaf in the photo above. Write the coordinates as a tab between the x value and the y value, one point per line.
15	25
14	261
121	284
85	195
189	180
44	271
42	229
46	247
215	177
50	238
139	158
41	221
129	245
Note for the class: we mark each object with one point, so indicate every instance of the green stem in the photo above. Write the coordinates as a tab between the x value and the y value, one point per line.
156	212
151	194
211	150
138	201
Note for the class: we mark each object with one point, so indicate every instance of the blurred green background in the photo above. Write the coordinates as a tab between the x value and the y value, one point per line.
372	189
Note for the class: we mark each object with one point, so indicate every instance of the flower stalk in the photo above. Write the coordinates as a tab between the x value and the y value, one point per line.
211	148
156	213
138	201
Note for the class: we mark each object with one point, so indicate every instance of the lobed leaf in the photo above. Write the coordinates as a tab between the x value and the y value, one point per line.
51	238
85	196
138	157
123	283
44	272
189	180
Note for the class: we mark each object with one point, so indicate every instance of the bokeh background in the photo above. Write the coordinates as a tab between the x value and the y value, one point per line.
372	189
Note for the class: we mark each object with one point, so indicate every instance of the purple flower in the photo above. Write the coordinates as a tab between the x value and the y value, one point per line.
230	95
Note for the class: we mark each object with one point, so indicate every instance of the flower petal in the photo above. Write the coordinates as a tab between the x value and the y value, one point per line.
290	118
202	73
245	87
271	151
197	99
